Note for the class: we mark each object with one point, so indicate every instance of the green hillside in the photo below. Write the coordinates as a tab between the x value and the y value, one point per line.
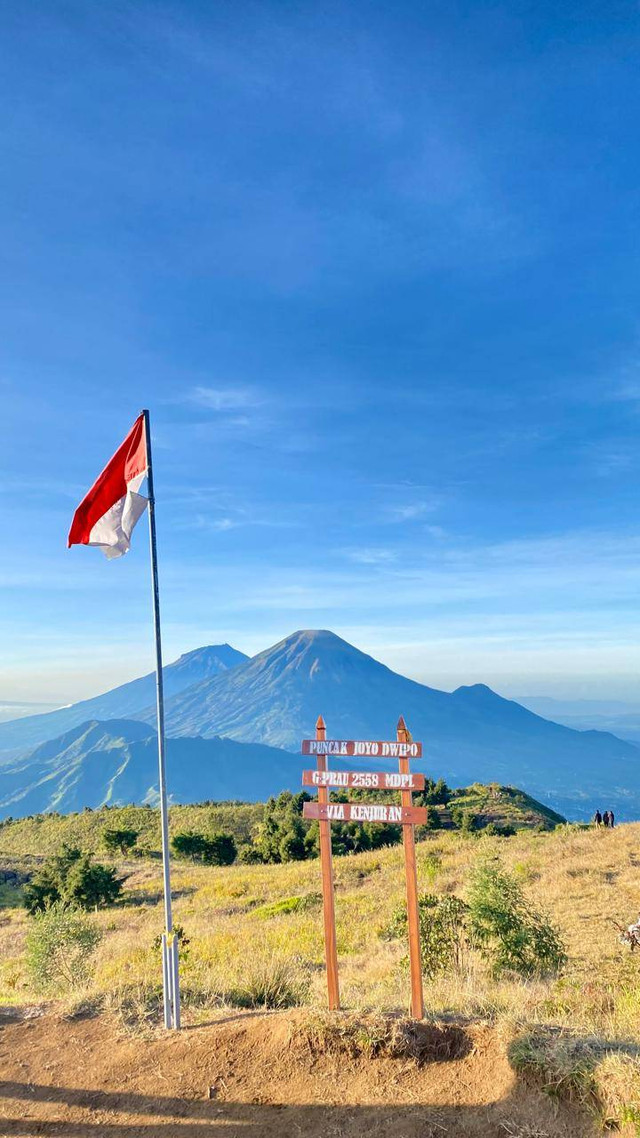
505	806
42	834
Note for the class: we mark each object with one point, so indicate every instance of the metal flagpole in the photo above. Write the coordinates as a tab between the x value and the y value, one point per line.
169	940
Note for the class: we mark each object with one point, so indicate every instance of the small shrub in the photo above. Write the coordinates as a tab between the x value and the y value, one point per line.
59	946
508	931
431	867
183	943
464	820
249	855
442	932
435	793
215	849
495	830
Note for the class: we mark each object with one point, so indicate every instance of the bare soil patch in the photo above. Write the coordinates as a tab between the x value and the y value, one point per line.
268	1076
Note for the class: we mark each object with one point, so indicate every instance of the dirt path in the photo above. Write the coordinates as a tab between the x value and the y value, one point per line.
260	1077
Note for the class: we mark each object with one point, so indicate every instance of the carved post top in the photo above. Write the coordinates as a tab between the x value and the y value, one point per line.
402	731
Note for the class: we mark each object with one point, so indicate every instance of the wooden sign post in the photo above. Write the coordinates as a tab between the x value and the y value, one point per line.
406	814
328	901
411	877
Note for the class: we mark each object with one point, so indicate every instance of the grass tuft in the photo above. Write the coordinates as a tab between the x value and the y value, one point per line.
288	905
271	982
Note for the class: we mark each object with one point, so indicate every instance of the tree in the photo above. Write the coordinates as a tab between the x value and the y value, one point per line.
292	843
218	849
508	931
282	834
72	877
120	840
435	793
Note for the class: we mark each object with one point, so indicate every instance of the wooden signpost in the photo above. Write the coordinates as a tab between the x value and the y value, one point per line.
406	815
365	812
364	780
326	862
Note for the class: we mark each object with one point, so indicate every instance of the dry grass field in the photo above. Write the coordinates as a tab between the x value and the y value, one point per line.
255	937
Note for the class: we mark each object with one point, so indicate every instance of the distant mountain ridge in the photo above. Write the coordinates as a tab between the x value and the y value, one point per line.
116	762
123	702
273	700
622	719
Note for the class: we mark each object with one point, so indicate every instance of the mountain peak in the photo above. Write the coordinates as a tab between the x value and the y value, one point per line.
313	652
210	658
125	702
319	640
318	637
480	691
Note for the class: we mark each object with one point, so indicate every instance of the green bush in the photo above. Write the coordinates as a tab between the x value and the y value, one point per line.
59	946
507	930
249	855
215	849
120	841
73	878
495	830
283	835
464	820
496	920
442	931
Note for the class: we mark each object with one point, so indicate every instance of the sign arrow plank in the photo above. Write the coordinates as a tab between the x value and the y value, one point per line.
365	812
364	780
364	748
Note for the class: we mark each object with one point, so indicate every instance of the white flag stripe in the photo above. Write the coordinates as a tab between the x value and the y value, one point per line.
112	533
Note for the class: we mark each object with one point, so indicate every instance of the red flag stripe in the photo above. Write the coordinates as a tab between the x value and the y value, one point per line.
129	461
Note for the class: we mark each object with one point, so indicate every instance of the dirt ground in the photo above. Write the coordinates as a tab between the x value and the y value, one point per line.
257	1075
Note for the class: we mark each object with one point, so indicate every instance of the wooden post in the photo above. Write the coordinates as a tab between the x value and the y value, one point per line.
326	861
411	873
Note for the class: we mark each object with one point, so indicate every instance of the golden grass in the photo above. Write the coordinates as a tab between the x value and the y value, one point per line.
587	1019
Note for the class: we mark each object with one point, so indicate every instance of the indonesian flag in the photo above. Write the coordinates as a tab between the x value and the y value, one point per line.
107	515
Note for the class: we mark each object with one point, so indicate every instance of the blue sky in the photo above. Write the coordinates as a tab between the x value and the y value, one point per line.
374	268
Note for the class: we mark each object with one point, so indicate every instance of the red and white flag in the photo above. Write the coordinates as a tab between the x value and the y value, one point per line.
107	515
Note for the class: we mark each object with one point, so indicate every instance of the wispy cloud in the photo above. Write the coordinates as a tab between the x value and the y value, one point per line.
226	399
411	511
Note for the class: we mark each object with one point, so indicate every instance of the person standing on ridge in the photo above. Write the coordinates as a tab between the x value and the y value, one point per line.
597	818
